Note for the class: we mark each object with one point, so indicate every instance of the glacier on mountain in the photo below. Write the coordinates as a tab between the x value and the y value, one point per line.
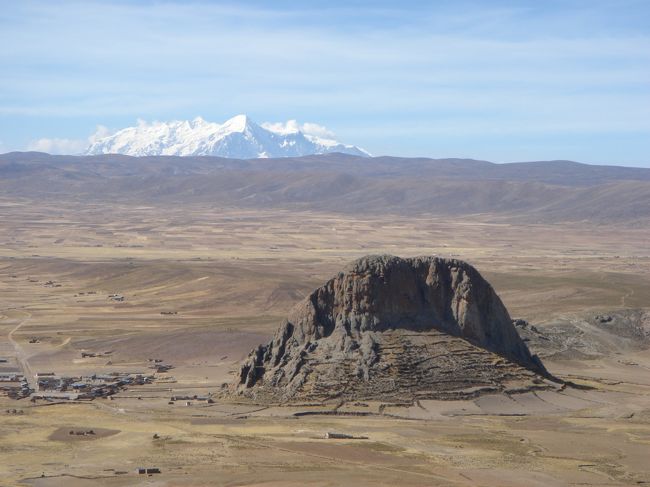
238	138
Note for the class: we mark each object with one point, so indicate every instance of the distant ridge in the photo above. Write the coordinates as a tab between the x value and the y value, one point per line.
239	138
532	192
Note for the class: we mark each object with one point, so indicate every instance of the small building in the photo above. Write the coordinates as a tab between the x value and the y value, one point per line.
181	398
338	436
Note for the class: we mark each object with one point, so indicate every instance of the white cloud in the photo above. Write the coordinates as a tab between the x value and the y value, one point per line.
58	146
100	132
67	146
292	126
317	130
288	127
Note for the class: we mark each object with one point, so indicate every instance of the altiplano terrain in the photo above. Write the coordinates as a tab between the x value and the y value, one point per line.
227	277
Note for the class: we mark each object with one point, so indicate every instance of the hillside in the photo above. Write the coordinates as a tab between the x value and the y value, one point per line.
545	191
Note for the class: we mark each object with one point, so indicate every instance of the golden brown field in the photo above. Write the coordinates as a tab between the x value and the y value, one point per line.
230	275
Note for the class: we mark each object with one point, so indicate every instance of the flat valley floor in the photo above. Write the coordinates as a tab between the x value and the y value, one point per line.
203	285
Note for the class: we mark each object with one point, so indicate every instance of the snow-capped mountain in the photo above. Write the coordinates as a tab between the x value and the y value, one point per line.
239	138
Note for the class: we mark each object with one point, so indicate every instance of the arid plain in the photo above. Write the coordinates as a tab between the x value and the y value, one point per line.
202	285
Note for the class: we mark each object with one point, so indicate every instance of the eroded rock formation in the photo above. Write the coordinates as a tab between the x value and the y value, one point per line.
393	329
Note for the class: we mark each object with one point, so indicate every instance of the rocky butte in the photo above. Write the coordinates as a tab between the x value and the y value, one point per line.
393	329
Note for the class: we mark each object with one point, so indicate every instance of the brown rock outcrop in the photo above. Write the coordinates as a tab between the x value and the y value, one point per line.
393	329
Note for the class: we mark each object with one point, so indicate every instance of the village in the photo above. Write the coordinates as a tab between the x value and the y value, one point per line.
53	387
50	386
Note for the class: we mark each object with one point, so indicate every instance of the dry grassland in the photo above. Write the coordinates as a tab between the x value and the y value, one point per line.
227	277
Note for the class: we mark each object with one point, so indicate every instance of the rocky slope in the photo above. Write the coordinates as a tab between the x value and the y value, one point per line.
588	336
393	329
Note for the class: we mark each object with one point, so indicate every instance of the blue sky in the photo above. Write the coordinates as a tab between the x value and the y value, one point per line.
496	80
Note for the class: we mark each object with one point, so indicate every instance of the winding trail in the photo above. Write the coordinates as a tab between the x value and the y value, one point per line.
21	356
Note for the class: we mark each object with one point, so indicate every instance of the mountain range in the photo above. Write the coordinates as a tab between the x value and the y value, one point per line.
531	192
239	138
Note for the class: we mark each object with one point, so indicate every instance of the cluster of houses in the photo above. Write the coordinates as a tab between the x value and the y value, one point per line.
14	385
54	387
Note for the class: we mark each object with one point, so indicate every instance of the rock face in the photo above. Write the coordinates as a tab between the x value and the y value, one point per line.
397	329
